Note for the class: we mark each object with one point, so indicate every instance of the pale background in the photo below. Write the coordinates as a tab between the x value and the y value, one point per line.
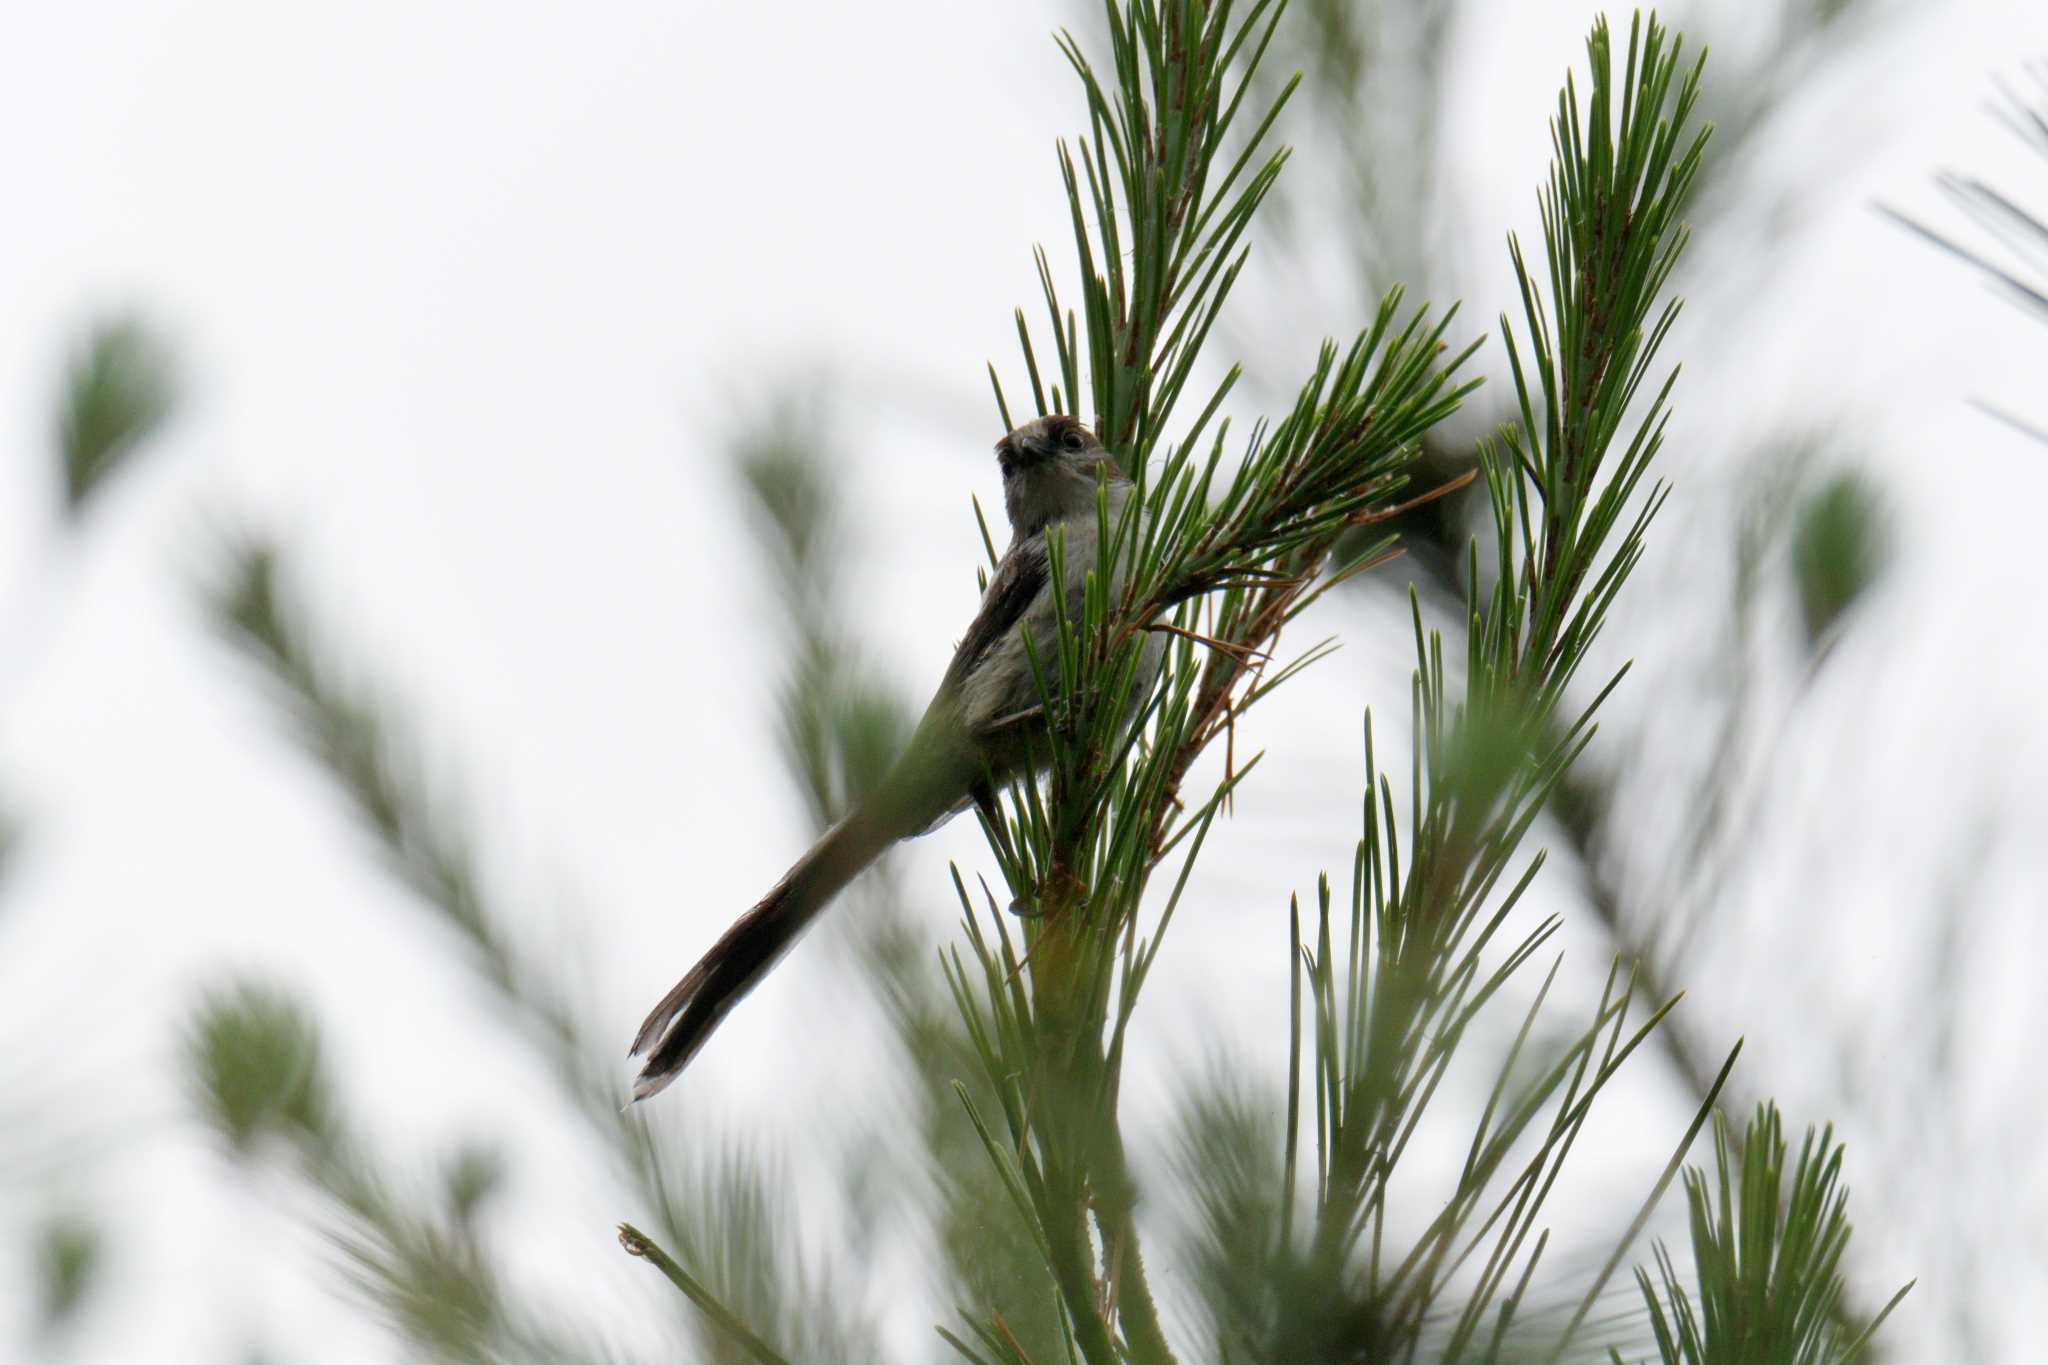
468	299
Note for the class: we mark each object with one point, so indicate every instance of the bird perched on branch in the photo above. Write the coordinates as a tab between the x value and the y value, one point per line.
984	723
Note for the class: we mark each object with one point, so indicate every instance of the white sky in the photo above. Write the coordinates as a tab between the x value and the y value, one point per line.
467	297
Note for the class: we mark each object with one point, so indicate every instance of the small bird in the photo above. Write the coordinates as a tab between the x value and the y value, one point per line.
981	724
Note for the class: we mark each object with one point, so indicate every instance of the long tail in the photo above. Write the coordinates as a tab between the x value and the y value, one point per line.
688	1015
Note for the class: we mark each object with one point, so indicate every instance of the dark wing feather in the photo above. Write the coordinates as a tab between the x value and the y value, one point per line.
934	778
1019	579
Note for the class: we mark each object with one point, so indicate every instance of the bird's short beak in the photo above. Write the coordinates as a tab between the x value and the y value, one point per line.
1036	450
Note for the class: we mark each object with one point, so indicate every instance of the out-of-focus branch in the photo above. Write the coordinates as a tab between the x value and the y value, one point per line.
117	392
359	745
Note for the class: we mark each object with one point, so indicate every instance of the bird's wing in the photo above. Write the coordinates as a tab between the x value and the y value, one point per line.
1019	580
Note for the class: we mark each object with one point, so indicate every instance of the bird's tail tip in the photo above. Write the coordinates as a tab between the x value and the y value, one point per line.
647	1085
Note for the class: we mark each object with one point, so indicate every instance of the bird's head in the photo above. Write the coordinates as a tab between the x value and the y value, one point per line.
1050	469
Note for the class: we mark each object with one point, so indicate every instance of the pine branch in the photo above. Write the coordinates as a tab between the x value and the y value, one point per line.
1244	552
255	1061
1387	1003
119	390
359	745
1768	1259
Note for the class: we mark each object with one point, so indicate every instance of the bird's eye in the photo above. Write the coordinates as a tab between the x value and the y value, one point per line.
1073	440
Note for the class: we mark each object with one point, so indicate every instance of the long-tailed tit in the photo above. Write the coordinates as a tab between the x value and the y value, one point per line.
982	723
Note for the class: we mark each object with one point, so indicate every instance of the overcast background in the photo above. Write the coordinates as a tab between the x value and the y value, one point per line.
469	299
